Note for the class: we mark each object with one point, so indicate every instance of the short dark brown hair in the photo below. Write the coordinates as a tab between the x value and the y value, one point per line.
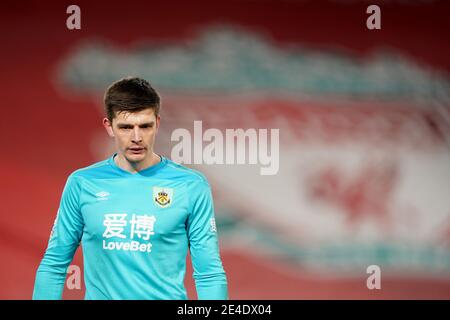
130	94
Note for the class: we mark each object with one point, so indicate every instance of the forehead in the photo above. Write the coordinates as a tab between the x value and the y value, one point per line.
143	116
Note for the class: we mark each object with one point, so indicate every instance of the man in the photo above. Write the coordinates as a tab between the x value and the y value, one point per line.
136	214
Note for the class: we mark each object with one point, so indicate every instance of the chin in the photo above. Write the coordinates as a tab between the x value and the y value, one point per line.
135	157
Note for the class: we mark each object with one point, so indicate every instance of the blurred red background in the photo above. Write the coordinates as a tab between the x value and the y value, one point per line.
50	127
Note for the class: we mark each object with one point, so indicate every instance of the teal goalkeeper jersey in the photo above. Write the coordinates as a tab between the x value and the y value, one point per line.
135	230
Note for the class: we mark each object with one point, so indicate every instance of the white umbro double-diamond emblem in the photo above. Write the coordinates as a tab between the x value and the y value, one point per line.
103	195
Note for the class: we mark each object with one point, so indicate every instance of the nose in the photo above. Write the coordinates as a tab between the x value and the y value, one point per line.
136	137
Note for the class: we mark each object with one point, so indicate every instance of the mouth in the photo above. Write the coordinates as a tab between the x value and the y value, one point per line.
136	150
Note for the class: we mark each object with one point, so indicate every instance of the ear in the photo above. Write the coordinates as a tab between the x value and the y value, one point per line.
158	121
108	126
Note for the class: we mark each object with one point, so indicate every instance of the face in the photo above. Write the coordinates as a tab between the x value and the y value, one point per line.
134	134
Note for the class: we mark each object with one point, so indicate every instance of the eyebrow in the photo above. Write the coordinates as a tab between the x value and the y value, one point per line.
121	125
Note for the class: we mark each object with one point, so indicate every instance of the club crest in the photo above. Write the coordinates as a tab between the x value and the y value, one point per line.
163	197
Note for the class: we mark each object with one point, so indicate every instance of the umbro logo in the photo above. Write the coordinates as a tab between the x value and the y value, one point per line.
103	195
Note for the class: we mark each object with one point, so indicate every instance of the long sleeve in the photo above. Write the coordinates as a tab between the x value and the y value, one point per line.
64	240
209	275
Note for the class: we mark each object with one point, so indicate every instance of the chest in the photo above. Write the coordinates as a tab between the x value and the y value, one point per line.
141	210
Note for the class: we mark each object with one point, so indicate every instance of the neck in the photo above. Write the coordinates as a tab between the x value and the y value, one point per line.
134	167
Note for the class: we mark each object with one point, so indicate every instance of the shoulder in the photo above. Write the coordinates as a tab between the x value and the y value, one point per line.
189	175
197	185
92	171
